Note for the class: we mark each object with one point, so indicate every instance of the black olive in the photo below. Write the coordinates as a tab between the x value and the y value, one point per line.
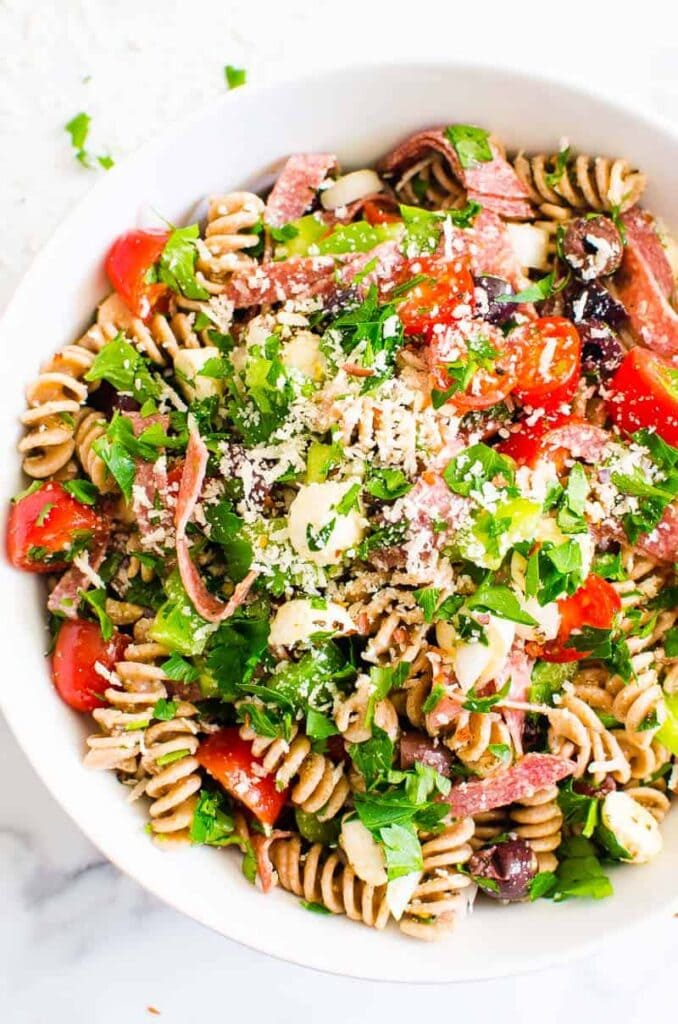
107	400
592	301
487	290
511	865
592	247
586	788
602	352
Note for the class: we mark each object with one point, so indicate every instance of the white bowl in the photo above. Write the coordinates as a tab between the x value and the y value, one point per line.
359	114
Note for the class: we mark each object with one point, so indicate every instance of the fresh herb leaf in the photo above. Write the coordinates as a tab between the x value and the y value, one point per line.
481	705
435	696
78	129
315	908
96	599
374	757
212	823
536	292
349	501
402	849
83	491
165	710
319	726
387	484
176	266
548	679
500	601
553	178
123	367
477	465
471	144
180	670
235	77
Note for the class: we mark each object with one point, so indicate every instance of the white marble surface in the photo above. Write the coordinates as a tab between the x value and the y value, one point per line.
79	943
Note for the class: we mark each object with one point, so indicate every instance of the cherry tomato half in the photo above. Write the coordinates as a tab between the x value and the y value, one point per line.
644	393
229	759
437	299
595	604
127	264
79	648
550	361
483	351
530	443
42	526
376	214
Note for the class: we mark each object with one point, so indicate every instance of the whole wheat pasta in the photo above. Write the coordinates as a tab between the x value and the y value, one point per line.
364	564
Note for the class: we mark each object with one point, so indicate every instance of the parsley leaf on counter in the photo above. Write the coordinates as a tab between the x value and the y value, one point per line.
235	77
78	129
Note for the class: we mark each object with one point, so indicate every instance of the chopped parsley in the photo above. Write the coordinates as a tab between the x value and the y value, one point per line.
235	77
471	144
78	129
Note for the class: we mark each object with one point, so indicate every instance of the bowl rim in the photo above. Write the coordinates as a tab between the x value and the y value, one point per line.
627	107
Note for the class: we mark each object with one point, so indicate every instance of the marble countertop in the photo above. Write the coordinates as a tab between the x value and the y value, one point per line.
80	943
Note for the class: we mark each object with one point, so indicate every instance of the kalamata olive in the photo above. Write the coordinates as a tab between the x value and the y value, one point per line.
586	788
592	246
342	300
486	293
592	301
534	733
601	349
107	400
417	746
511	864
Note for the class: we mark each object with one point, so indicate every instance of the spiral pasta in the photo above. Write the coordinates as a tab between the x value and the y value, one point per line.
351	715
583	183
229	234
575	730
473	734
54	401
429	182
539	820
92	426
158	757
322	876
439	897
319	786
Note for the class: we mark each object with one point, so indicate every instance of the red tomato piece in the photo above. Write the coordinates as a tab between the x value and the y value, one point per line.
437	299
374	214
42	526
127	264
550	361
484	350
79	647
530	443
644	393
595	604
229	759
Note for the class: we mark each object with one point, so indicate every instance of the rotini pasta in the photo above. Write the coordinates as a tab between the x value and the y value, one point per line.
362	564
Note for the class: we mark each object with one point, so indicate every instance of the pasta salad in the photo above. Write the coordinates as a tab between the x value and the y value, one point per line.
356	507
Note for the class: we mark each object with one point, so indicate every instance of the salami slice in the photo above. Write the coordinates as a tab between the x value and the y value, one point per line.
493	183
296	186
64	598
517	669
210	607
653	320
523	779
642	237
582	440
299	277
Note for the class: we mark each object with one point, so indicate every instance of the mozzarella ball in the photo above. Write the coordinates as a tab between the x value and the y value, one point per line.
317	531
187	365
302	353
476	663
296	621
